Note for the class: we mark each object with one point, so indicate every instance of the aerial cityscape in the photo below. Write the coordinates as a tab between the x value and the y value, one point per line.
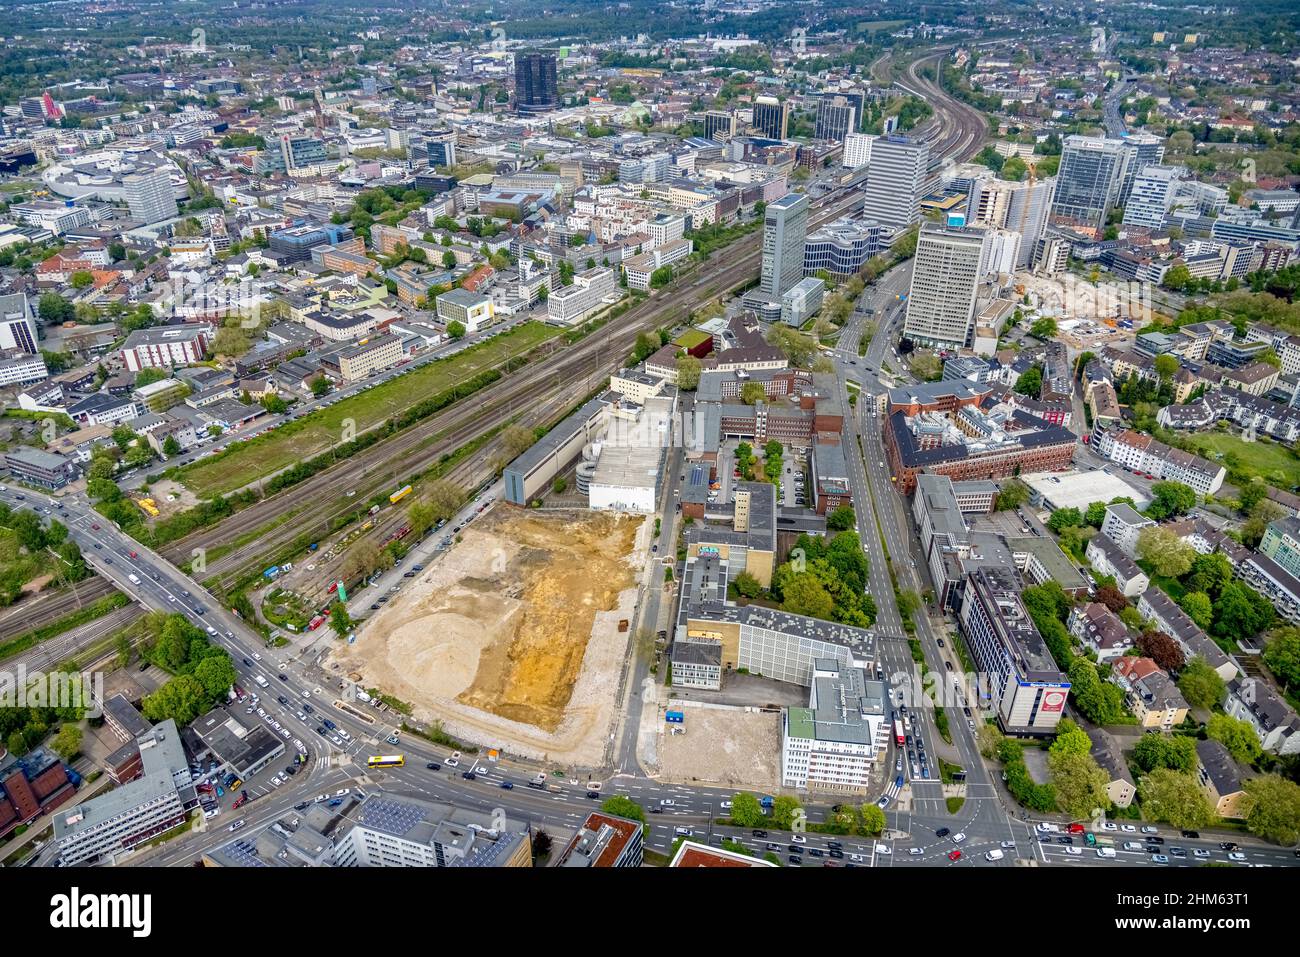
582	434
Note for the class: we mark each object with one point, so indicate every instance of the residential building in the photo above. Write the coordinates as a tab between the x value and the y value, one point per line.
1259	705
1108	559
162	347
1281	543
1220	777
1120	786
18	325
1100	630
1176	623
857	150
1123	523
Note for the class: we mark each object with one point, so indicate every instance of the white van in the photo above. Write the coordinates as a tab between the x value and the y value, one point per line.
994	855
1105	852
1131	846
260	680
135	580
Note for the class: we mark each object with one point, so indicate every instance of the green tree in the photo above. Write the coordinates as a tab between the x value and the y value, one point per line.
1030	382
1176	752
1200	684
1175	798
1282	655
1044	328
647	344
340	620
1197	605
747	585
688	372
1171	499
216	673
1166	365
873	820
1235	735
746	811
171	446
1240	611
320	386
842	519
1272	809
1209	573
752	393
1013	494
182	699
785	810
621	806
1169	555
1080	783
67	743
1064	518
804	594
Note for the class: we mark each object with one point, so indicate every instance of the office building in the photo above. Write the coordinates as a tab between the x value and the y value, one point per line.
570	305
836	118
407	832
291	154
436	147
470	309
17	324
162	347
1024	687
894	180
771	117
719	124
605	841
1088	181
785	227
1152	195
535	84
945	282
843	247
833	744
37	467
1145	149
150	196
132	813
1019	207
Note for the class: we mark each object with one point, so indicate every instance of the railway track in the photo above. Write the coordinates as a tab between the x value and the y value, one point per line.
23	617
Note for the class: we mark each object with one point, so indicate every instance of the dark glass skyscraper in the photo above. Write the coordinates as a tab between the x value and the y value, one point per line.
535	87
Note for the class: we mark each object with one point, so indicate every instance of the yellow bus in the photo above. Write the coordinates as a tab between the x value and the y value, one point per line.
386	761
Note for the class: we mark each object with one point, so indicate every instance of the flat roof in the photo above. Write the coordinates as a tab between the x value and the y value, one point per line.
1081	489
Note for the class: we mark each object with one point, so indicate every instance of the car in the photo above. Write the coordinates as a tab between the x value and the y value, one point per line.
916	851
815	852
469	775
452	762
796	861
953	855
1178	852
1008	845
1075	851
1192	834
1076	828
594	795
942	832
375	607
1065	839
1128	828
798	839
507	786
939	642
1155	840
1159	859
1046	827
1201	853
308	708
1237	856
958	837
793	849
1148	829
666	802
283	677
434	766
1227	845
236	826
758	833
248	662
1110	826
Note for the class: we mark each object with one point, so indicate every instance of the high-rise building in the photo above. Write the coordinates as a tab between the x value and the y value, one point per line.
1021	207
1145	149
150	196
438	147
771	117
945	282
785	226
836	118
536	90
1151	196
857	150
1088	181
719	121
894	180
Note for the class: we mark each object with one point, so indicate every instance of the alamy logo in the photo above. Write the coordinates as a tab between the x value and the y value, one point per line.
75	910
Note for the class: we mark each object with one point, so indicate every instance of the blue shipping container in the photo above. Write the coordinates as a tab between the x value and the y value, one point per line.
675	717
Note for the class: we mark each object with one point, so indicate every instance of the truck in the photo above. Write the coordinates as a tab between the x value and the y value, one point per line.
538	782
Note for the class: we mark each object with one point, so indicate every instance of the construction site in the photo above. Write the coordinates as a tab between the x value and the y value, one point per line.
516	636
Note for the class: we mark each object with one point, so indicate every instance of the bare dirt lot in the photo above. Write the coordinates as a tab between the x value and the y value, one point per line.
724	746
511	638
